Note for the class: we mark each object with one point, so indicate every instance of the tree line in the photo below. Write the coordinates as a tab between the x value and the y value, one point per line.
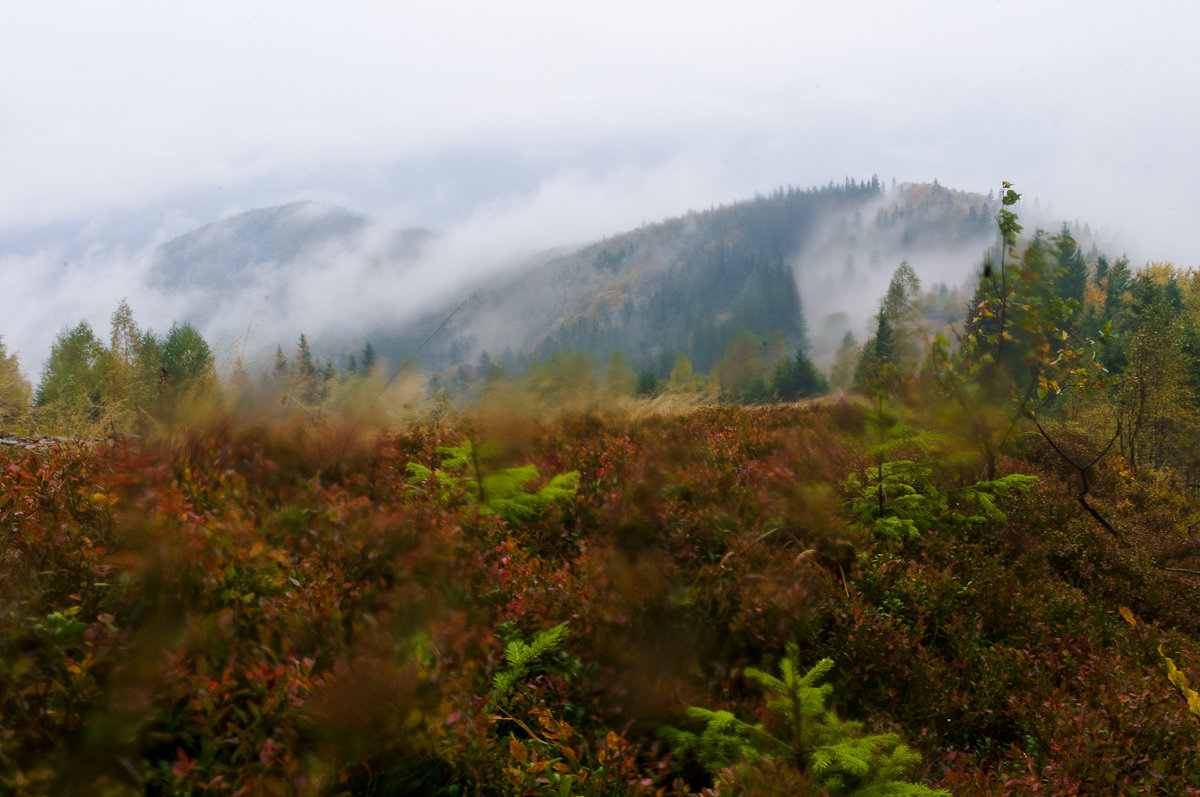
1048	338
1043	322
138	381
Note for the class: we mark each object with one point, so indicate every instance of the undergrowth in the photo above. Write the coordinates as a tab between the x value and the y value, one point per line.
303	610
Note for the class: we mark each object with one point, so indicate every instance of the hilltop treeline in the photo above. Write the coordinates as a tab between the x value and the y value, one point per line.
686	286
141	383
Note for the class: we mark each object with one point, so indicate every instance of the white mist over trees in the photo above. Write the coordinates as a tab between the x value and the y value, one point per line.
762	300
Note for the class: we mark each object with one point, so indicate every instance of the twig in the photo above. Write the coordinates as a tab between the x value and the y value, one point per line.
504	715
1180	570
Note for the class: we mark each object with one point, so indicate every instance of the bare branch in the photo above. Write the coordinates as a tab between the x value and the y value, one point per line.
1180	570
1081	497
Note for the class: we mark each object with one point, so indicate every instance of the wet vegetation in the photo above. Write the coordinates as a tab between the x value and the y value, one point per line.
976	574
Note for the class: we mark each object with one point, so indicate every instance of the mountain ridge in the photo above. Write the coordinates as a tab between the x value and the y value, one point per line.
796	263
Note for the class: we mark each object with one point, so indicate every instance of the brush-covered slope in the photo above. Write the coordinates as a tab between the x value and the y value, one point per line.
306	610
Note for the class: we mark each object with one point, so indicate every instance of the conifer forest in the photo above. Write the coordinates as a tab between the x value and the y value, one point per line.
959	556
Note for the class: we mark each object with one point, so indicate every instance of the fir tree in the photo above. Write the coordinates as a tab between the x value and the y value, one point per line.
281	368
305	374
885	340
877	365
368	358
835	755
187	358
1072	270
796	378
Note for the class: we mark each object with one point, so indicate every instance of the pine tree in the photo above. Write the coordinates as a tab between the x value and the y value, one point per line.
806	736
1101	269
281	370
796	378
885	340
187	358
368	358
876	367
1072	270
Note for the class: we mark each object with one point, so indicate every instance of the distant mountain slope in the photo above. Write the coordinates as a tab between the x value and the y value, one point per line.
796	267
783	263
228	253
256	259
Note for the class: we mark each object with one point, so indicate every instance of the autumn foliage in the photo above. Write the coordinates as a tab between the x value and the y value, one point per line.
309	610
980	580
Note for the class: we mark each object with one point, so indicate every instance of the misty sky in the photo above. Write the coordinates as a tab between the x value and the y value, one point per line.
545	123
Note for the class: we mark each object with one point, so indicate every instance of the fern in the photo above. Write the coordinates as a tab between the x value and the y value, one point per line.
835	754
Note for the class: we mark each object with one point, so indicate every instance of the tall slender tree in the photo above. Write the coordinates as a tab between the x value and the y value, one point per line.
15	392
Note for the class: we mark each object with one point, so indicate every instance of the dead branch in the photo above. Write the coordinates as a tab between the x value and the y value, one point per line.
1082	470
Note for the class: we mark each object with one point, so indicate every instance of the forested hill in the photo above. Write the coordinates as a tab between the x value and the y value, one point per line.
793	268
791	271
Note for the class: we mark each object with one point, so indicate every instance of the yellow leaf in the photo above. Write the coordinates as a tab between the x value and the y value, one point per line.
21	667
1127	616
518	751
1176	676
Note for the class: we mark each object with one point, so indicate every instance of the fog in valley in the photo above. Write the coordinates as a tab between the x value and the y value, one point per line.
460	145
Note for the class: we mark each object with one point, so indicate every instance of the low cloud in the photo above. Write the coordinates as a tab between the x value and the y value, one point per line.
349	285
54	288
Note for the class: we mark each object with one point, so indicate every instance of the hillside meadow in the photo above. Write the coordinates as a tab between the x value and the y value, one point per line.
974	573
496	604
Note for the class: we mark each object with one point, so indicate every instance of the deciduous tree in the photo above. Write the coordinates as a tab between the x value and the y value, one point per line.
15	392
70	395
